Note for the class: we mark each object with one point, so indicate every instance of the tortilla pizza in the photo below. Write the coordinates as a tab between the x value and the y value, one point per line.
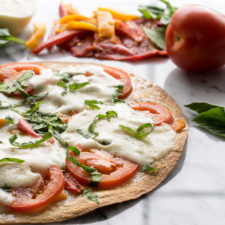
75	138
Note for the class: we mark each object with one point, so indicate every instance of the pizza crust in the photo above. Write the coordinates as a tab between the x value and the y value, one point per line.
141	184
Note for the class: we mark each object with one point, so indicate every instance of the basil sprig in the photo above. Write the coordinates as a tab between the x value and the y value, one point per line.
141	132
210	117
29	144
7	39
157	35
90	195
147	168
107	116
11	160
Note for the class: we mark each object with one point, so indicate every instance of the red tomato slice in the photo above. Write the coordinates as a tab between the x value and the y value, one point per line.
26	128
115	170
26	201
19	67
160	113
123	77
71	184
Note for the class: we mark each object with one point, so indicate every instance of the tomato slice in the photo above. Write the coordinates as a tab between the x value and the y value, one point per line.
19	67
26	200
159	113
71	184
26	128
115	170
123	77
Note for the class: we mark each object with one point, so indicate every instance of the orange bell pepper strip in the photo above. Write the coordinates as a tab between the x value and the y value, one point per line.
119	15
179	125
37	36
70	18
77	25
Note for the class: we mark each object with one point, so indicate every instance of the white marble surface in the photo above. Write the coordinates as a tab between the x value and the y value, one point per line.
194	193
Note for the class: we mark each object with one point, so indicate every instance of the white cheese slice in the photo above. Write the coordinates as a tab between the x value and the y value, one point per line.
153	147
100	87
16	14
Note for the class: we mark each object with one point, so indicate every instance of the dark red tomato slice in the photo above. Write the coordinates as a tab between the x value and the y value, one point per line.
115	170
160	114
26	128
71	184
18	67
123	77
27	200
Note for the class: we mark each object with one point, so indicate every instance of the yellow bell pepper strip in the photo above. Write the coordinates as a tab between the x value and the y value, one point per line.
119	15
77	25
106	24
37	36
70	18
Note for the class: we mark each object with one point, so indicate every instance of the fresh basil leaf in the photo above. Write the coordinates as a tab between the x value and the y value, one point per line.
9	119
213	121
169	11
29	144
141	132
151	12
33	108
1	142
93	103
147	168
110	114
5	105
157	36
4	87
7	39
62	84
26	75
200	107
90	195
76	86
83	133
74	149
11	160
91	129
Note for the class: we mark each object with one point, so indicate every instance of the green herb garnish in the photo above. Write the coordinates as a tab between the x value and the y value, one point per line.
9	119
29	144
83	133
116	95
90	195
93	103
7	39
147	168
210	117
141	132
76	86
11	160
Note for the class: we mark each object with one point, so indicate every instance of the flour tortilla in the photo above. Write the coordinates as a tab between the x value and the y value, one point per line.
141	184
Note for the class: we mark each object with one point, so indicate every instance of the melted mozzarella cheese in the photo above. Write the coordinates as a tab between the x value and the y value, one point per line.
100	87
153	147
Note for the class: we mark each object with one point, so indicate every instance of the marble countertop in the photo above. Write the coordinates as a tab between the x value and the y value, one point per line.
194	193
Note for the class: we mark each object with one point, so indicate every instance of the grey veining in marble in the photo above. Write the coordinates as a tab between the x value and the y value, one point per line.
194	193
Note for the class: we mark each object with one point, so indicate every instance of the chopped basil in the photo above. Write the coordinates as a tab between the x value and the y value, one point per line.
29	144
90	195
83	133
108	116
76	86
116	95
33	108
210	117
9	119
11	160
93	103
147	168
74	149
41	122
141	132
1	142
18	85
32	99
72	159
